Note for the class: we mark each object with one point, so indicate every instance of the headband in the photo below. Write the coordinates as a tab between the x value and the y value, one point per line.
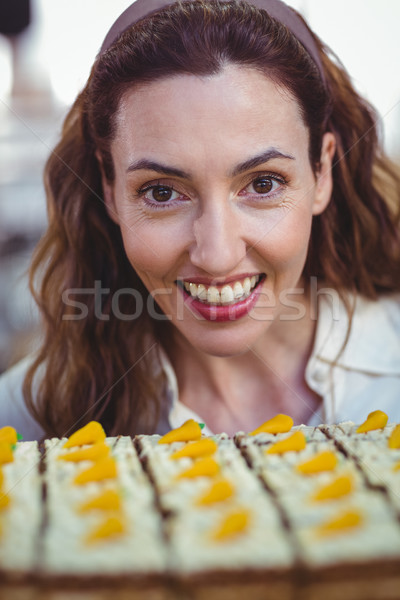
275	8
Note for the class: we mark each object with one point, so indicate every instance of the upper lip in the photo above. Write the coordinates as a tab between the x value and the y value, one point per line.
218	282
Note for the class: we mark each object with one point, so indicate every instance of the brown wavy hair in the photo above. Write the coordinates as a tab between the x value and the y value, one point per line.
105	368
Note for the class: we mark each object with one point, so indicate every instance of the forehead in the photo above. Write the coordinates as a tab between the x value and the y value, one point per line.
238	109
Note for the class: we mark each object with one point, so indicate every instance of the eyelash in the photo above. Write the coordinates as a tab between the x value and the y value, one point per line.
154	205
274	177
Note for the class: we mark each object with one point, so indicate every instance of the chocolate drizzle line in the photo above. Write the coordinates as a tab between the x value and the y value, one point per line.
380	488
240	441
39	550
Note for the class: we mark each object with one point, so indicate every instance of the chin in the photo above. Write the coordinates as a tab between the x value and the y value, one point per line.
225	346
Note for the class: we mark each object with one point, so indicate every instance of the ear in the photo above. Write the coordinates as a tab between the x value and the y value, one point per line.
108	192
324	183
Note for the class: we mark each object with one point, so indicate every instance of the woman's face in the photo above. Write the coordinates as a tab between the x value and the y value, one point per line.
215	195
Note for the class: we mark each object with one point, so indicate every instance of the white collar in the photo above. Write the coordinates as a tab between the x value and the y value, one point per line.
373	345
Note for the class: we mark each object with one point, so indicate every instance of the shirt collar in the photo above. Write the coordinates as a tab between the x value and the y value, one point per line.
373	341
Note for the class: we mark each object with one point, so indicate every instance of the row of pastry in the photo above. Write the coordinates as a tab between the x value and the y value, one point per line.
279	497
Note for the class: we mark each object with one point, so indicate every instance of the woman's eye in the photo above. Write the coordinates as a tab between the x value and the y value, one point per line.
160	193
263	185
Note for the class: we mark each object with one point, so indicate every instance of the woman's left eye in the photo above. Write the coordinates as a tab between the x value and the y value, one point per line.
263	185
160	194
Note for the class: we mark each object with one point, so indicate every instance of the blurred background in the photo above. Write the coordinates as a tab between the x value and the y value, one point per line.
44	66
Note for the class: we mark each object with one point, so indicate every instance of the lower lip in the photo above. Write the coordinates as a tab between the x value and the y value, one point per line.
219	313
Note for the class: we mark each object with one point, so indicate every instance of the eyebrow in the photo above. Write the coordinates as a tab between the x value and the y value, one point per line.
149	165
259	160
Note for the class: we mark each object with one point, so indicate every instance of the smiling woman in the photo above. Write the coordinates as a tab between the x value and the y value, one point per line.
223	236
206	230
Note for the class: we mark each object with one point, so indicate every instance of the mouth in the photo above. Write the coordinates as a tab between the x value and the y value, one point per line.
223	295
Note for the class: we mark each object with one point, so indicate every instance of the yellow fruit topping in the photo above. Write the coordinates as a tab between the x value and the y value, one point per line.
106	468
108	500
9	435
6	454
394	440
375	420
204	447
189	431
341	486
396	467
109	528
219	491
95	452
203	467
293	443
232	525
278	424
1	479
4	501
323	461
89	434
344	521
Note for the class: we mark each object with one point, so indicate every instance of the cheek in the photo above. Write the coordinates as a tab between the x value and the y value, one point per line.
286	244
151	254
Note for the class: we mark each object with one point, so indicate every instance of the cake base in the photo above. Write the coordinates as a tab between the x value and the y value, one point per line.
378	580
88	588
239	585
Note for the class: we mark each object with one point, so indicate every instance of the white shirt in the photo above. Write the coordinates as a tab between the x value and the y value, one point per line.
352	383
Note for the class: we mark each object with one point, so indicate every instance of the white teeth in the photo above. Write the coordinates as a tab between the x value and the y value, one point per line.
202	292
246	286
229	294
238	290
213	296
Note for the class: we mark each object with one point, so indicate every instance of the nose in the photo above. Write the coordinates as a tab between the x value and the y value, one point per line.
218	241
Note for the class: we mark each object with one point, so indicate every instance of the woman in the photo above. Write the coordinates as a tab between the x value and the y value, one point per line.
223	234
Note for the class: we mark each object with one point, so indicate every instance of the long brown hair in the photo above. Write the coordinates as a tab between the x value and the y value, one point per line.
105	368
